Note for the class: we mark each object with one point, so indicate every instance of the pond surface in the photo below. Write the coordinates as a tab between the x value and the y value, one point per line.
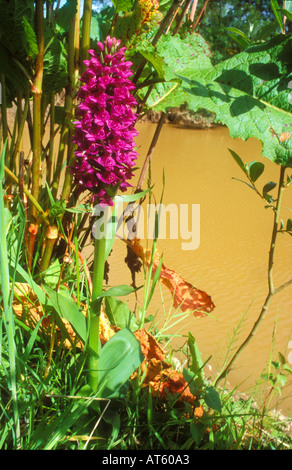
230	263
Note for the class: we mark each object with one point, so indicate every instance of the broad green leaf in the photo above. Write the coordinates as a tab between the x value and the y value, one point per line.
67	308
177	56
152	57
289	225
52	274
119	358
249	93
123	5
119	314
255	170
212	398
197	429
66	13
268	187
238	161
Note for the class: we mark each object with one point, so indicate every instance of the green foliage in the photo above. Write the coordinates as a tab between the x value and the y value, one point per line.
55	66
119	314
250	96
119	359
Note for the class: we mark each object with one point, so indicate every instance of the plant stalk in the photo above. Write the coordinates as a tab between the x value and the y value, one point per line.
37	116
271	289
85	39
94	311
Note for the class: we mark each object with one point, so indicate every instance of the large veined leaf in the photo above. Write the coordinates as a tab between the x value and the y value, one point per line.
55	66
172	57
123	5
250	94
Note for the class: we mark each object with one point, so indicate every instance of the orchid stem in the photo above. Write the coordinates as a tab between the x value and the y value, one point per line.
94	311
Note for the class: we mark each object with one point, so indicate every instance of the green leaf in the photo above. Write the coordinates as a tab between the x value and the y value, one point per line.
131	197
212	398
119	358
249	94
119	314
197	431
286	13
190	378
148	52
66	13
238	161
117	291
255	170
67	308
289	225
178	55
123	5
282	358
276	10
197	363
267	188
52	274
282	379
239	37
55	66
30	42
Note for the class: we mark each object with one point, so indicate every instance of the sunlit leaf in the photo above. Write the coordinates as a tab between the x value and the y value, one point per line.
255	170
119	314
119	358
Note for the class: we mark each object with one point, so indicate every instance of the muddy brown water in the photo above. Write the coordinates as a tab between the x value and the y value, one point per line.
230	263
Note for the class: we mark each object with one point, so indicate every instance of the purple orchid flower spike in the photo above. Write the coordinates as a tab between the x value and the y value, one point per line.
104	129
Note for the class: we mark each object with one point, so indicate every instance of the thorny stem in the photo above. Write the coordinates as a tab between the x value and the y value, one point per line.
271	290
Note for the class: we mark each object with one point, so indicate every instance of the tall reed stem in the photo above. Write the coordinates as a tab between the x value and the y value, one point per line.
271	289
37	119
85	39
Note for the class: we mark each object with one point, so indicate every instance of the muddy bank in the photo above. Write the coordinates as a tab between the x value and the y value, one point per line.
183	117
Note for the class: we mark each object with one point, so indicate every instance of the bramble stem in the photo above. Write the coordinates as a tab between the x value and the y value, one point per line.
271	288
